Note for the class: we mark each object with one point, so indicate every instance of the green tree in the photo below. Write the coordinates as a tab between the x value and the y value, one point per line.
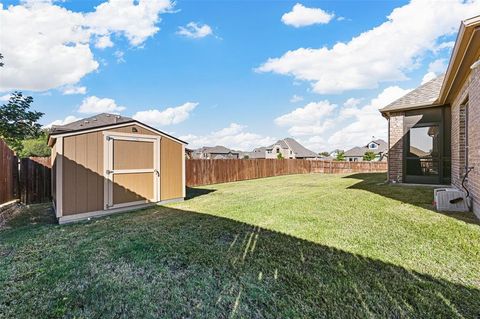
340	156
17	122
36	146
369	156
279	156
324	154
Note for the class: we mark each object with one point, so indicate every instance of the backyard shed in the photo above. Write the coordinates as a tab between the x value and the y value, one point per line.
110	163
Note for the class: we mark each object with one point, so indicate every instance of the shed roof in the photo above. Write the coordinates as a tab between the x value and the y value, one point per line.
99	121
425	95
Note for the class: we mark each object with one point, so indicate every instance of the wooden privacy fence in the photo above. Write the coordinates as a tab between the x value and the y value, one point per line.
35	180
27	179
9	189
206	172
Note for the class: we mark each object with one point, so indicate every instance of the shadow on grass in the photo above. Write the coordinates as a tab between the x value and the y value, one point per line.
193	192
172	263
421	196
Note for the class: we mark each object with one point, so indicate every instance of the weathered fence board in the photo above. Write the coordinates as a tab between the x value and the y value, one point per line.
35	179
9	189
206	172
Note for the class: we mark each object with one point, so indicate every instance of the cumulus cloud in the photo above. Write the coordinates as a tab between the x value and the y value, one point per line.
195	30
359	123
296	98
4	98
301	16
67	120
46	46
169	116
233	136
428	77
93	104
71	89
382	54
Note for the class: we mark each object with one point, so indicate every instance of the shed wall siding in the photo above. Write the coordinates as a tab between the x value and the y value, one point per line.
83	181
171	176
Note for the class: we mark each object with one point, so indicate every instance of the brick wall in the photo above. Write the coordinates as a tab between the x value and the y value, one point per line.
470	90
395	145
474	138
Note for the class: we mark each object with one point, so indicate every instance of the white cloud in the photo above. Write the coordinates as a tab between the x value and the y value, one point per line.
169	116
67	120
195	30
438	66
309	114
301	16
352	102
428	77
234	136
296	98
103	42
120	56
135	19
47	46
308	120
382	54
358	124
93	104
5	97
71	89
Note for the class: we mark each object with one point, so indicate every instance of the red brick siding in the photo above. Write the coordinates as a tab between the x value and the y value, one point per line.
470	89
395	147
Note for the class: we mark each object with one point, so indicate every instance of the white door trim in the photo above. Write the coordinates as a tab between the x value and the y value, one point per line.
108	172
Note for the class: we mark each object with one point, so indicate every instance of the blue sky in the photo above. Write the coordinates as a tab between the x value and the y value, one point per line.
252	72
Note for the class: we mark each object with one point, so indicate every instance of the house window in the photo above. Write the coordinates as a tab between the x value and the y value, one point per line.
423	153
278	150
373	146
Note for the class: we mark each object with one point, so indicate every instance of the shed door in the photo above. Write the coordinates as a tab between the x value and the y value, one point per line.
132	170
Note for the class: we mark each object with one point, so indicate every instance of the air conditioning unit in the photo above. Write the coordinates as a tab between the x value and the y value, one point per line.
450	200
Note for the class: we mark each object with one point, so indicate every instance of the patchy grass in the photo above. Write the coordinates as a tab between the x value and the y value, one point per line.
292	246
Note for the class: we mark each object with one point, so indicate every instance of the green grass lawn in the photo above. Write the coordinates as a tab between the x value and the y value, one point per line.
284	247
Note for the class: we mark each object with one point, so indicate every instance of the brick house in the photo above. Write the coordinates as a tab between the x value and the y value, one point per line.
434	131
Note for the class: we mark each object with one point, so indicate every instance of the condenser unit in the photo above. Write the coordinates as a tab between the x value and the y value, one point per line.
450	200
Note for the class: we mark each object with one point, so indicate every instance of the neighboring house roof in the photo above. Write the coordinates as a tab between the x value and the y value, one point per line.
281	143
425	95
257	153
99	121
298	149
359	151
217	150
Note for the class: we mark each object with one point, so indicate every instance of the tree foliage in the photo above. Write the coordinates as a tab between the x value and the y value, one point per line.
279	156
17	122
35	146
324	154
340	156
369	156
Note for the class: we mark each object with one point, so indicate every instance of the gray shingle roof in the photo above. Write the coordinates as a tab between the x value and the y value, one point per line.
359	151
299	149
424	95
217	150
100	120
103	119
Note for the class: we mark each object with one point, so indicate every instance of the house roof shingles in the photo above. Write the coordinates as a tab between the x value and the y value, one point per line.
298	149
100	120
425	95
359	151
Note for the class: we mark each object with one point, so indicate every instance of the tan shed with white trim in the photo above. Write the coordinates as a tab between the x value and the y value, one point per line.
110	163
